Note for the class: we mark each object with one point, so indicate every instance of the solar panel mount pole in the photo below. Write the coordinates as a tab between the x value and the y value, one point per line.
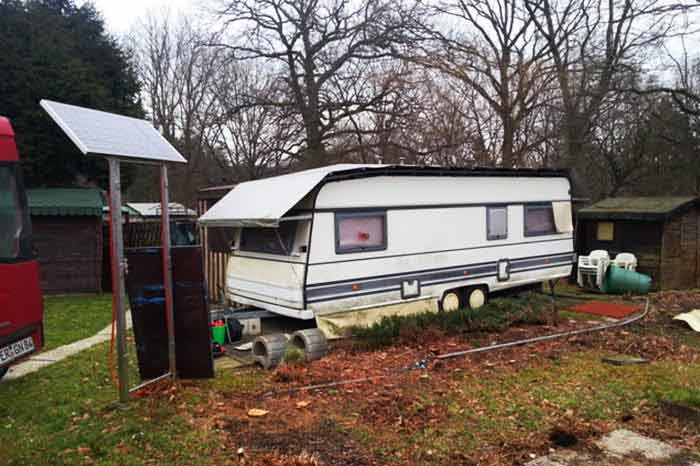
167	265
118	272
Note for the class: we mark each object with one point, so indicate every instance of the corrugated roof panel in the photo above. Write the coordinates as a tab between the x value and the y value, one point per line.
65	201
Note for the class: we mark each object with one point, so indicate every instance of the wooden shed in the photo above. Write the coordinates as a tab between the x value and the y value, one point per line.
67	228
661	231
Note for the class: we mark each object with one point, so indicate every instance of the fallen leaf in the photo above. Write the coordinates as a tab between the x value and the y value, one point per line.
255	412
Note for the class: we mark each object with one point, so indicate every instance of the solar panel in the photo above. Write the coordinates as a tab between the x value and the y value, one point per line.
112	135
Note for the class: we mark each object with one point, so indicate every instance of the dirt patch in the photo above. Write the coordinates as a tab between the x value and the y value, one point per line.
324	442
495	408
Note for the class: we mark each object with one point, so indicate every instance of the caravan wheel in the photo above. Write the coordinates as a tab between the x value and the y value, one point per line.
476	297
451	301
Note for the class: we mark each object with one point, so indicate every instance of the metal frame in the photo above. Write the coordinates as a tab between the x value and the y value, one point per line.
119	268
154	149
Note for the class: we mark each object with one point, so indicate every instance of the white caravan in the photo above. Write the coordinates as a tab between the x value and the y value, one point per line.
347	244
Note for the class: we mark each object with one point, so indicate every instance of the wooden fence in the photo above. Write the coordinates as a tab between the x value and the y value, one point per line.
214	262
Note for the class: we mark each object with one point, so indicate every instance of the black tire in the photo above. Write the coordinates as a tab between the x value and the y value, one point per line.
3	371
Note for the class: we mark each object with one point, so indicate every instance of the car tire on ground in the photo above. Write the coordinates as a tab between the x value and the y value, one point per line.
3	371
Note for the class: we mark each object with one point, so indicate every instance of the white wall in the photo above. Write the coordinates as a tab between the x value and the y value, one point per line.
431	190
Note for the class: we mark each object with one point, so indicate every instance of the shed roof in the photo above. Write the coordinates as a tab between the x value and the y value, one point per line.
638	208
152	209
65	201
126	210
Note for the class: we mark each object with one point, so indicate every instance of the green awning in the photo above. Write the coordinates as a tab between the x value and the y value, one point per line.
65	201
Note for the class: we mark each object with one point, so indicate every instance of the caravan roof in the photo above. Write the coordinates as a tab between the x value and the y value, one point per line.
264	202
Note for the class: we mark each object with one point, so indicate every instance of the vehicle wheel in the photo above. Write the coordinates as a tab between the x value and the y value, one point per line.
476	298
3	371
451	301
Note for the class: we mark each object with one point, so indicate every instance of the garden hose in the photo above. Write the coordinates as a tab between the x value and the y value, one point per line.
422	364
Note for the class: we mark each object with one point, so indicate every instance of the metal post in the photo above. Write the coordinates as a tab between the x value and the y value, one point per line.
118	269
167	264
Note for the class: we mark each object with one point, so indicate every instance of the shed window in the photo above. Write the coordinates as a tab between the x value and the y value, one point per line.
496	222
278	241
360	231
606	231
539	220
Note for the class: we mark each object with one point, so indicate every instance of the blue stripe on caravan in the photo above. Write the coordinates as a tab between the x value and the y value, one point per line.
387	283
567	256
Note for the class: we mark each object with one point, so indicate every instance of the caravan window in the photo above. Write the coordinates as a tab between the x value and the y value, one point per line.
496	222
539	220
360	231
278	241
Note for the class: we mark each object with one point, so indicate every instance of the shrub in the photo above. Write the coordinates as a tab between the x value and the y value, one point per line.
495	316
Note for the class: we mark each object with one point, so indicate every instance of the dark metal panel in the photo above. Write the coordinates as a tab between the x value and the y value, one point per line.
192	328
146	296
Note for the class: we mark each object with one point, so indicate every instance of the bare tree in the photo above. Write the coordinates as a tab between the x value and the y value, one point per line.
177	73
496	51
319	46
252	140
591	44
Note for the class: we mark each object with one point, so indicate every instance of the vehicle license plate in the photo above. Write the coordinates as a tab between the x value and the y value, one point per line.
15	350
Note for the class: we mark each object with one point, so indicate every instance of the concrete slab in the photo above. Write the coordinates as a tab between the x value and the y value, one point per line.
561	458
624	442
46	358
622	448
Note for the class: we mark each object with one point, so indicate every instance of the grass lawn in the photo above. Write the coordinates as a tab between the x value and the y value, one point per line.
74	317
497	408
65	415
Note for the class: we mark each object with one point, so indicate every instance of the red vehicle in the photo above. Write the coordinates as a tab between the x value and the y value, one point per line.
21	305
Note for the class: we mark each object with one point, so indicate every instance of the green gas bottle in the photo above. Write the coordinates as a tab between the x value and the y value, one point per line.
618	281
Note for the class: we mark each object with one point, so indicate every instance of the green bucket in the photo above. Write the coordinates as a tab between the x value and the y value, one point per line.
218	334
618	281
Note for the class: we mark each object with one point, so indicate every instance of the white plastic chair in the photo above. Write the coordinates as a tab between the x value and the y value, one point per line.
592	268
626	260
596	255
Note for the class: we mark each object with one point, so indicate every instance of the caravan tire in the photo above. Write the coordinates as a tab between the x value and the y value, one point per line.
476	297
312	341
451	301
268	350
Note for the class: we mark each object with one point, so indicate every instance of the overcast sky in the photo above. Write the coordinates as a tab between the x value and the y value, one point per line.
119	15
